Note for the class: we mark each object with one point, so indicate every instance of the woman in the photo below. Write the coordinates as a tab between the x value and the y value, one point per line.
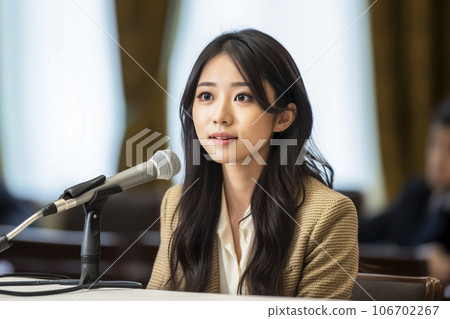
255	214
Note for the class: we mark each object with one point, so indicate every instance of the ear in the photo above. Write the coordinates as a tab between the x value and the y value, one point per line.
284	119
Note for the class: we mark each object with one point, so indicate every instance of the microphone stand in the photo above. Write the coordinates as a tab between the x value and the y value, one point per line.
90	246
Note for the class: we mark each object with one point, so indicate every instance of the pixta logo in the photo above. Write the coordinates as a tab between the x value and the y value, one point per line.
142	146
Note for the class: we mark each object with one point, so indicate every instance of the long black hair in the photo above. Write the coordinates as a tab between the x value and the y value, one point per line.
258	58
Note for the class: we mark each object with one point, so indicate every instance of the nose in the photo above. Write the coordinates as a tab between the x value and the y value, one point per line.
222	114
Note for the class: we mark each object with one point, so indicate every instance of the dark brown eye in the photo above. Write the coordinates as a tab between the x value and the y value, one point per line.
243	98
205	96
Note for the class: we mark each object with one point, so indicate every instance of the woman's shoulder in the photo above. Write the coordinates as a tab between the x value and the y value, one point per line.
168	206
321	198
171	198
316	191
173	193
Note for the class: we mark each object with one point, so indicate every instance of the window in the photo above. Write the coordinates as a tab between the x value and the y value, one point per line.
61	100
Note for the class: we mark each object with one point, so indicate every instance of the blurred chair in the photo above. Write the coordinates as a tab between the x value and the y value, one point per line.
128	213
390	260
396	288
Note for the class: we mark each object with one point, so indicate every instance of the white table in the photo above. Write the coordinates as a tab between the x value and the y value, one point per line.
122	294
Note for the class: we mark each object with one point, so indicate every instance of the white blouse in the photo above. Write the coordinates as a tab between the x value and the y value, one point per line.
230	271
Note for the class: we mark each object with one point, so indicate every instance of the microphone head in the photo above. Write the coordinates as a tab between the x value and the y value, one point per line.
167	164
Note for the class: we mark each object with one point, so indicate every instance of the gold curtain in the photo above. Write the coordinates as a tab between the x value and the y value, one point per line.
411	43
146	33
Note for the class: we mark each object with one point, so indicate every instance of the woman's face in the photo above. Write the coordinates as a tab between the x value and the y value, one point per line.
230	124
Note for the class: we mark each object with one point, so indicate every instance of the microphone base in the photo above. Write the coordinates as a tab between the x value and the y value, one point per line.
90	246
104	284
73	283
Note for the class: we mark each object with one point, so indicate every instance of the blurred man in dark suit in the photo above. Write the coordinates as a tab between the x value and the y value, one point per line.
420	216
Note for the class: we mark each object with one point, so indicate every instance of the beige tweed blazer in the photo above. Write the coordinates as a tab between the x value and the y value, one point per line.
323	254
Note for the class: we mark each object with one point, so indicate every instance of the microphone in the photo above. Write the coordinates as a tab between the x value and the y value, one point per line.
163	165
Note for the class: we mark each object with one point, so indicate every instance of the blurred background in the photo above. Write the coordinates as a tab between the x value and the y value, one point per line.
79	78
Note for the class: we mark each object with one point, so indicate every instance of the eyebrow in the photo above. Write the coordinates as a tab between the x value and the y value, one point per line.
234	84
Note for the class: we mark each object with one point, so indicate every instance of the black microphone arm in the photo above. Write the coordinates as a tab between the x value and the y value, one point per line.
163	165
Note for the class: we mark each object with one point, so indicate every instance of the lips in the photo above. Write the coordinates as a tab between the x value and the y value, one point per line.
222	138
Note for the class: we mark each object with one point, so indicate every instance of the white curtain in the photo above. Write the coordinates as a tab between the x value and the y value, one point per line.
336	65
61	99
